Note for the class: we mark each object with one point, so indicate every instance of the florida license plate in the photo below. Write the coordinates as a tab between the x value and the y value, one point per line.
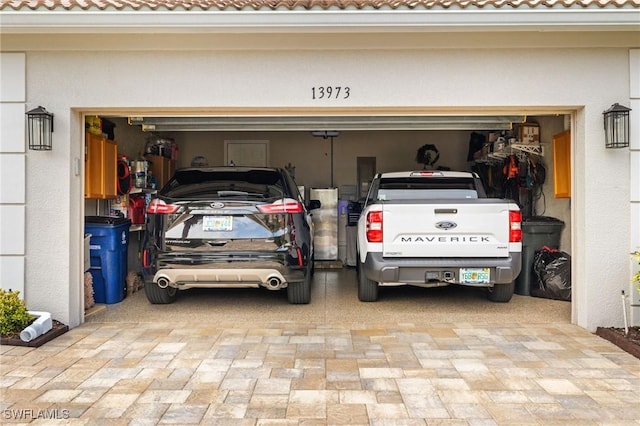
475	275
217	223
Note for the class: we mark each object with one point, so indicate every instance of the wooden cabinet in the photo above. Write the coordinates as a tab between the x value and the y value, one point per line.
562	164
100	178
162	168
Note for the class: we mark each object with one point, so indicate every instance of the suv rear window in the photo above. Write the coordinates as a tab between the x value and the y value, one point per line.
252	184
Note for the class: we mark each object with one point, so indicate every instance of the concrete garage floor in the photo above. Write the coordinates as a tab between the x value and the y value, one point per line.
246	357
334	299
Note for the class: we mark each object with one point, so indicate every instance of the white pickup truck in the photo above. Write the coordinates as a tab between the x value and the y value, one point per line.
436	228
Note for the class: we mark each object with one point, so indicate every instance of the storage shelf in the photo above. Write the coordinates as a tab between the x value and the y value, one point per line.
530	148
515	148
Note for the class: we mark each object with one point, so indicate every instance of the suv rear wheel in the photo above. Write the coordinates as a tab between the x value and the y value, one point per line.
160	296
300	293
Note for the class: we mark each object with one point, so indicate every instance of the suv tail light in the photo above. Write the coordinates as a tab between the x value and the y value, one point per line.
157	206
374	227
286	205
146	258
515	226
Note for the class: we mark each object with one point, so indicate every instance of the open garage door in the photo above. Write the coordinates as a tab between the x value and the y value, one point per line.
330	151
342	123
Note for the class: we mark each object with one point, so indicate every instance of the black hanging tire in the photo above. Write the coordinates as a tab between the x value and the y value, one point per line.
300	293
367	289
501	293
160	296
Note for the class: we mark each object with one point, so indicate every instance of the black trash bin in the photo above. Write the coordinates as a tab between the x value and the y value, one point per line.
537	232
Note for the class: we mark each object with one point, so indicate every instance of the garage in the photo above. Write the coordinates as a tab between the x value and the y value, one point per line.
401	75
338	164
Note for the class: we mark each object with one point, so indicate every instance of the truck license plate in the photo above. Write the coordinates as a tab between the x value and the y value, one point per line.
217	223
475	275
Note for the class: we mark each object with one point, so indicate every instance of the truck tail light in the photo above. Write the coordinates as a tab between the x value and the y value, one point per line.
515	226
157	206
374	227
287	205
426	173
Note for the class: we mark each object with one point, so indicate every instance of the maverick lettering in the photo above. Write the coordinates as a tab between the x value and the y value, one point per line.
443	239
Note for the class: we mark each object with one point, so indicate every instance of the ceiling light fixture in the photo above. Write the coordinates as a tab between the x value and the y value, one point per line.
325	134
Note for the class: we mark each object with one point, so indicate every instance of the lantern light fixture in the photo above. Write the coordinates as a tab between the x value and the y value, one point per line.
39	129
616	126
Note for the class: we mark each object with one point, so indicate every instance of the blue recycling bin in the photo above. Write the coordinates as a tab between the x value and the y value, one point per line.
108	249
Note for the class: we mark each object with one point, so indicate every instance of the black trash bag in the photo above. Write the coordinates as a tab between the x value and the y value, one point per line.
553	271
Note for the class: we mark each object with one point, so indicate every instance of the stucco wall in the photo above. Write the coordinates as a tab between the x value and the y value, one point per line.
311	155
634	104
67	82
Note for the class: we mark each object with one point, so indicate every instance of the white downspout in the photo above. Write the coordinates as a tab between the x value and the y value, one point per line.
41	325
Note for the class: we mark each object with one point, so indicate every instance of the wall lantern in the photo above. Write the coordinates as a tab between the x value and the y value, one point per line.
616	126
39	129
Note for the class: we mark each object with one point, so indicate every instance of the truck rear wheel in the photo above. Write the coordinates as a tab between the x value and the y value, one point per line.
501	293
160	296
367	289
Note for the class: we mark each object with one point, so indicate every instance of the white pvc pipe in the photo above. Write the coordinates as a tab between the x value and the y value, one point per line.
41	325
624	313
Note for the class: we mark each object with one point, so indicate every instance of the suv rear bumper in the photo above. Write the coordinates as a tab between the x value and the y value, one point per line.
184	270
272	279
422	271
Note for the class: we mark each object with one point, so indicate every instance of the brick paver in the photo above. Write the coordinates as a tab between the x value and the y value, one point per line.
329	372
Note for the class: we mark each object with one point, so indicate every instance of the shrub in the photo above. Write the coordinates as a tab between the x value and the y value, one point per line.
636	278
14	316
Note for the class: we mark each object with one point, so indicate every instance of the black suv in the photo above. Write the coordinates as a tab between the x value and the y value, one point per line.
234	227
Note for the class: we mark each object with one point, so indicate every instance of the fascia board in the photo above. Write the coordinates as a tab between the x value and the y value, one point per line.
25	22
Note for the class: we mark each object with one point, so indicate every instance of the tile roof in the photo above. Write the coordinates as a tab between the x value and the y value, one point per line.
264	5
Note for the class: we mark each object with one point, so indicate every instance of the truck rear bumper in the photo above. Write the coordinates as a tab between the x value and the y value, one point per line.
422	271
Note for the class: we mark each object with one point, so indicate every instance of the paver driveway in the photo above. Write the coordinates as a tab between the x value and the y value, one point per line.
247	357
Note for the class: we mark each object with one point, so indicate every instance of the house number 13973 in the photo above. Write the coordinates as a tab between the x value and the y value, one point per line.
330	92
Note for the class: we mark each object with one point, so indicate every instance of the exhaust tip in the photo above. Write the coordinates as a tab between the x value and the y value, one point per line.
274	283
163	282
